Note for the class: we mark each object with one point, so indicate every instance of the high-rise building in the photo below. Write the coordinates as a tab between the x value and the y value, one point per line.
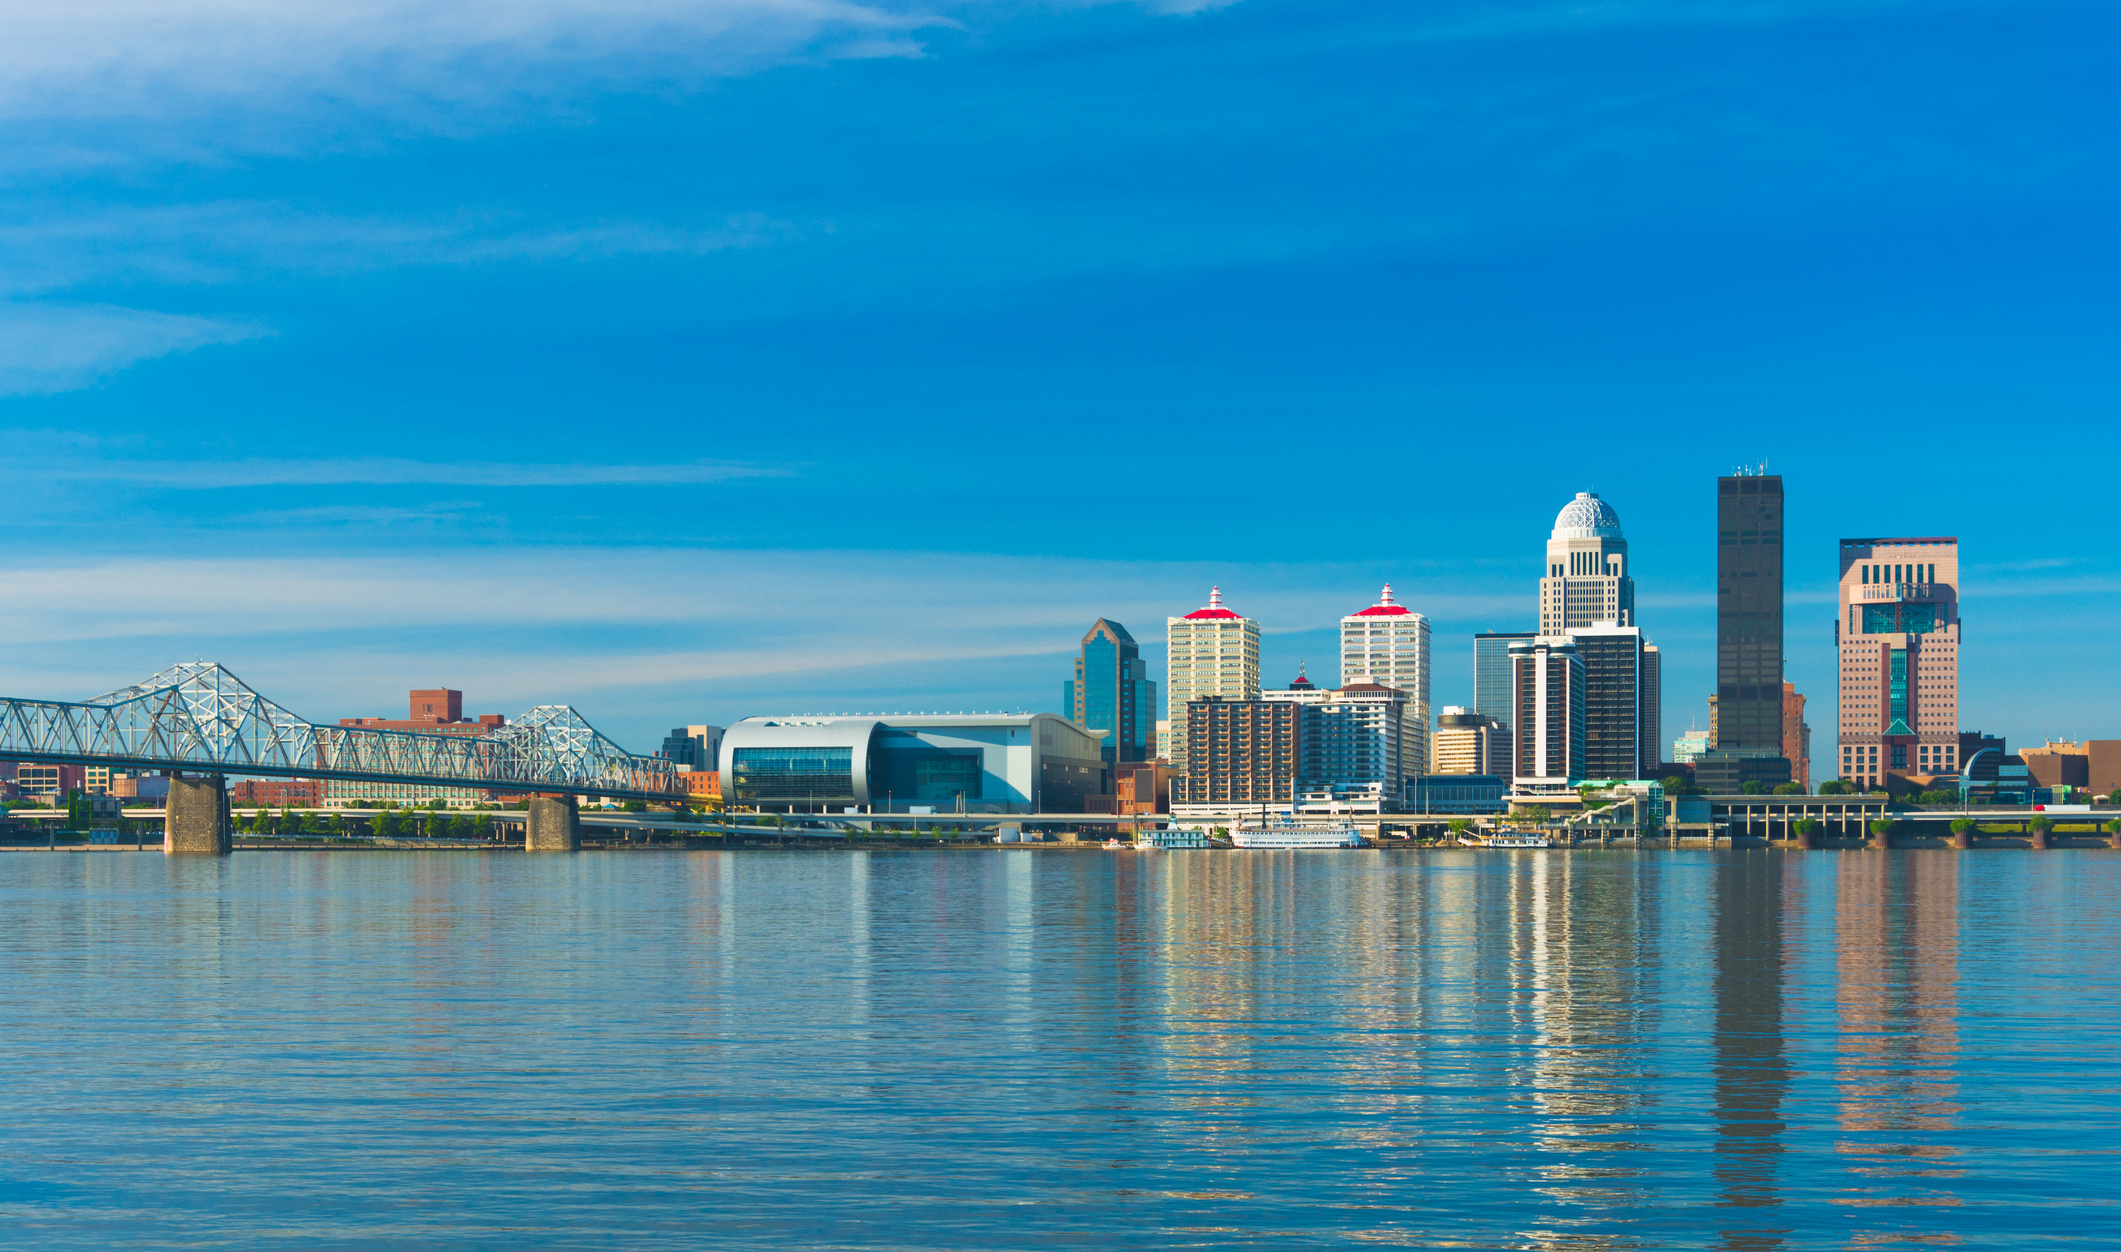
1354	752
1111	691
1898	635
1467	742
1212	652
1690	745
1652	709
1796	736
1749	611
1587	578
1491	673
1548	691
697	746
1388	644
1241	754
1617	743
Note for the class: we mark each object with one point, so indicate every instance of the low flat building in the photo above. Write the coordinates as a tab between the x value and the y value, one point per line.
898	763
1458	794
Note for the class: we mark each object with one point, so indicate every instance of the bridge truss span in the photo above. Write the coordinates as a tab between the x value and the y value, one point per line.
200	718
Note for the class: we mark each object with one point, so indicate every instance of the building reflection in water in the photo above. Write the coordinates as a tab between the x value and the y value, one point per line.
1897	944
1750	1058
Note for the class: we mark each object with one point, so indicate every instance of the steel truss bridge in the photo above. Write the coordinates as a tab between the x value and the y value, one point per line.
198	718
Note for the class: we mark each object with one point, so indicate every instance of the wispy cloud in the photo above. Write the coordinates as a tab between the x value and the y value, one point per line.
47	348
143	57
48	248
377	471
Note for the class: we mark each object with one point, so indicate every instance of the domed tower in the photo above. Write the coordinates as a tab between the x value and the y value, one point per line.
1587	577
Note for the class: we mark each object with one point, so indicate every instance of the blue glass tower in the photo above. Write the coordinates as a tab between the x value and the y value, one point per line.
1111	692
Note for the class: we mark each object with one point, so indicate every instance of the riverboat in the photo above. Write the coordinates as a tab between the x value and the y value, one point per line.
1288	834
1507	839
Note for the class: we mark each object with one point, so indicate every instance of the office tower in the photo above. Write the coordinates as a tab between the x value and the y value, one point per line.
1614	734
1241	753
1796	736
1111	691
1652	710
697	746
1213	652
1749	611
1898	635
1587	577
1388	644
1467	742
1689	746
1355	753
1548	735
1491	672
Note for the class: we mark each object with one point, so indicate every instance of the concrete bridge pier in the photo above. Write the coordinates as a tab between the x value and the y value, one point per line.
1806	841
1963	840
2039	837
196	816
552	826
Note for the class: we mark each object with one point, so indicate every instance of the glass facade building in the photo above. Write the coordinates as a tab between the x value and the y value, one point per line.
1491	673
1749	516
1112	692
810	775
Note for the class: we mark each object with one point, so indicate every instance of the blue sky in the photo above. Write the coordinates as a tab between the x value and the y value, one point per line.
690	361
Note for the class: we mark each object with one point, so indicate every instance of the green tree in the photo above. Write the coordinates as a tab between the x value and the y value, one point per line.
1536	814
1836	787
1883	826
1460	825
635	806
1964	825
1789	789
2114	827
1753	788
482	827
338	823
2041	824
1806	826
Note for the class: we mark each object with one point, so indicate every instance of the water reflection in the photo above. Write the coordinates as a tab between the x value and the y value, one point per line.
1751	1065
1897	943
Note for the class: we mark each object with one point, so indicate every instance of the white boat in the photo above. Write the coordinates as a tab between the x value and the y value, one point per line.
1146	845
1506	839
1288	834
1114	845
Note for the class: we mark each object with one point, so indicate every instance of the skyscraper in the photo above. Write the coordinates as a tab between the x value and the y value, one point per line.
1616	688
1587	578
1548	738
1469	743
1749	611
1112	692
1213	652
1898	636
1491	673
1388	644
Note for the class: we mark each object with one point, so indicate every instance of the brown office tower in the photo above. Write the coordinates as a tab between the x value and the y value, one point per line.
1749	612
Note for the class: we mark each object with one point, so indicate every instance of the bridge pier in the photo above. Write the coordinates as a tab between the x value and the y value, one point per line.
1963	839
2039	839
552	826
195	818
1806	841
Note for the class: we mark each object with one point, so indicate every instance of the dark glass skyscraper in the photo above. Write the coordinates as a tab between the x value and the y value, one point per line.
1491	673
1111	692
1749	612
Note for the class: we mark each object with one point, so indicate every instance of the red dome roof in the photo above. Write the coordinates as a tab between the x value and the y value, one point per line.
1215	607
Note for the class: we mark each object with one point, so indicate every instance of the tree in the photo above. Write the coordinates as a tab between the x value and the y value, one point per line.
1883	826
338	823
1676	785
1535	813
1460	825
2041	824
1806	826
1836	787
1964	825
1789	789
635	806
482	827
1753	788
2114	827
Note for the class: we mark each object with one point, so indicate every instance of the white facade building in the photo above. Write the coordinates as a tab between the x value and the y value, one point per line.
1388	644
1212	652
1587	578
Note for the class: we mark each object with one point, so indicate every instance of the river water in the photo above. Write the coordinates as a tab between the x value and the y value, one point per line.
1040	1050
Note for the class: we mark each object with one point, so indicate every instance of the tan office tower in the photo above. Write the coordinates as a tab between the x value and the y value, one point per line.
1898	636
1388	644
1587	578
1470	743
1212	652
